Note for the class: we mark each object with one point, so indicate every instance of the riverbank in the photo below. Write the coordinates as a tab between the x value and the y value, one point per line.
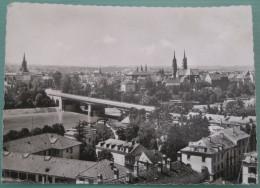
30	111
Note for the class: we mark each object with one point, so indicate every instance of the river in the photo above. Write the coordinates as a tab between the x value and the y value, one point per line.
17	122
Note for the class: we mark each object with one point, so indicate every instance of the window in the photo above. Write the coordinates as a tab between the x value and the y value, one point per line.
67	150
252	170
71	149
222	156
203	159
188	157
252	180
222	165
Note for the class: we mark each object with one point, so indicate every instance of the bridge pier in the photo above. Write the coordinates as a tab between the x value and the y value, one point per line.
58	101
89	113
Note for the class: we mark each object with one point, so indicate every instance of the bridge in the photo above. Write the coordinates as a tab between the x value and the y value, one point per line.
57	95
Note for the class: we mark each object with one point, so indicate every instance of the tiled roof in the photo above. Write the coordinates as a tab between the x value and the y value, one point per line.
180	174
113	145
154	156
103	167
188	72
34	144
138	73
37	164
212	144
217	76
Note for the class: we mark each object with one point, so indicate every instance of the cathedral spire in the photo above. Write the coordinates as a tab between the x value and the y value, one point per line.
184	62
174	66
24	65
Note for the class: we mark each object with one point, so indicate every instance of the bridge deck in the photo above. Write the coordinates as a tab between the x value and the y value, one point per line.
99	101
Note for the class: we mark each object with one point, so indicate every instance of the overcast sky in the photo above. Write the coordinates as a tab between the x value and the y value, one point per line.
105	36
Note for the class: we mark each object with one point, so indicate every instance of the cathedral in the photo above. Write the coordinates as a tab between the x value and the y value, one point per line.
184	74
23	76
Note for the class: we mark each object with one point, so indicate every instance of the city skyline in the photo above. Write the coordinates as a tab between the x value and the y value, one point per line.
127	40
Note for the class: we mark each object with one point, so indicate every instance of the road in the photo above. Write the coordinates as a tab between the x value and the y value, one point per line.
113	130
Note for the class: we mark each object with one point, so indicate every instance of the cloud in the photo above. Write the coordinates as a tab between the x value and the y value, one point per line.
165	43
148	50
109	39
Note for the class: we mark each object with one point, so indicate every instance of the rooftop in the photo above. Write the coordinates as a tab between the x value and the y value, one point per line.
34	144
53	166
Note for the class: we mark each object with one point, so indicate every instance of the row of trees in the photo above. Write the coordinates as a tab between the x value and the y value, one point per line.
22	97
24	132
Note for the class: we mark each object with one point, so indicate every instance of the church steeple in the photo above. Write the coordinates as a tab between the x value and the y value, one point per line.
174	66
184	62
24	65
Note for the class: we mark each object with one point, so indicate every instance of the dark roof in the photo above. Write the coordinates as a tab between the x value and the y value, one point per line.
154	156
188	72
217	76
103	167
138	73
37	164
134	149
180	174
34	144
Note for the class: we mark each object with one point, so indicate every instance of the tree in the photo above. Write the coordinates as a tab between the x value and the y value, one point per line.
47	129
66	83
57	78
104	154
58	129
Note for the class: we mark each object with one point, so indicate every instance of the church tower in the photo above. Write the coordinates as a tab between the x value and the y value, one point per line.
174	66
184	62
24	65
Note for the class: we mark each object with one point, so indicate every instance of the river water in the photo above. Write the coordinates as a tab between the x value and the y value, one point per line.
17	122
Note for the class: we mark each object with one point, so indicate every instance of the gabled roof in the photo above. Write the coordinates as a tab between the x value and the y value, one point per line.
126	120
37	164
153	156
188	72
215	76
138	73
34	144
103	167
134	149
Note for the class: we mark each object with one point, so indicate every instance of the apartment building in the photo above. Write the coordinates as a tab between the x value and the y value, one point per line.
249	172
124	153
46	144
220	154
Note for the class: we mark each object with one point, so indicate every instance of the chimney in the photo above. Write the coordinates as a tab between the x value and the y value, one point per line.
128	177
179	156
159	167
100	179
116	174
146	164
112	162
169	163
136	169
164	160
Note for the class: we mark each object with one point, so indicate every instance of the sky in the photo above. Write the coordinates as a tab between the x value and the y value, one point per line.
77	35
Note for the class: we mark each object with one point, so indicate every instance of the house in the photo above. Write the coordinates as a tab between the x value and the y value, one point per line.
124	153
218	80
151	156
138	76
44	169
102	172
220	153
249	171
127	86
47	144
163	172
49	170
